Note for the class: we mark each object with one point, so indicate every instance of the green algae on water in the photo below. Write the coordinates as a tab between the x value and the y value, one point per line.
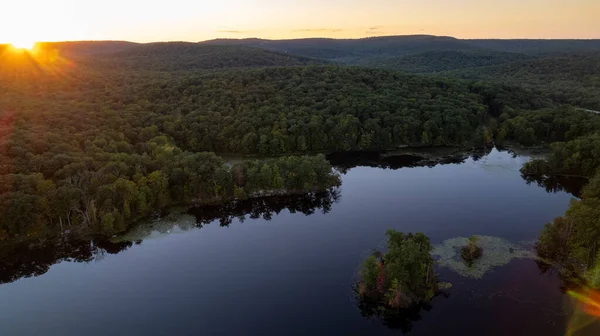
496	252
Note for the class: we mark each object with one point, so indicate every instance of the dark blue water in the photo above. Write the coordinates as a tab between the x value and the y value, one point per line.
292	274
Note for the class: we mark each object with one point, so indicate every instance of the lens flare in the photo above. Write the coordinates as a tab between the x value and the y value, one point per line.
585	319
589	301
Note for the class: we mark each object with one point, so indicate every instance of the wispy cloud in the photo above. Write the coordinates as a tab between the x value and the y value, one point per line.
376	32
318	30
375	28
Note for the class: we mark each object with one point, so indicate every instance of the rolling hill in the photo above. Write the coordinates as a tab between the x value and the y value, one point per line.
354	51
443	60
538	47
113	119
573	79
182	56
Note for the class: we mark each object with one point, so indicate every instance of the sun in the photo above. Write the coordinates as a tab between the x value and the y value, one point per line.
24	44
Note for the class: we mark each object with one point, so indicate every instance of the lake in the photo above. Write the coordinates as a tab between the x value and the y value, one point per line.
287	267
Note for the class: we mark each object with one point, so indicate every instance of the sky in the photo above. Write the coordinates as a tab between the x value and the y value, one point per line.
198	20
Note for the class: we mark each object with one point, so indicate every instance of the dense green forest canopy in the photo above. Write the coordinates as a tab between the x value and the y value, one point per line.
95	135
80	149
573	79
578	157
283	110
183	56
539	46
565	70
570	242
443	60
546	126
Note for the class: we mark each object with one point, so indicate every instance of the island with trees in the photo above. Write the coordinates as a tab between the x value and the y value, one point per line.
401	277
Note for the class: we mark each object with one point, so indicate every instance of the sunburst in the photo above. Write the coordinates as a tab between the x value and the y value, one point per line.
23	44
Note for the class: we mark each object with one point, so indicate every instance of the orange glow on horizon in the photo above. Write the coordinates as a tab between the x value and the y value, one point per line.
31	60
75	20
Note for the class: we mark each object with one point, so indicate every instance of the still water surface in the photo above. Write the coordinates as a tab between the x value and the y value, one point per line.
292	274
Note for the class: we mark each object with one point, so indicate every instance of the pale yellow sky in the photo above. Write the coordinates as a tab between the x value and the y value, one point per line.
188	20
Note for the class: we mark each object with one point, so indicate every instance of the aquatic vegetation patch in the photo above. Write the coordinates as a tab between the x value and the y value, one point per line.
495	252
155	228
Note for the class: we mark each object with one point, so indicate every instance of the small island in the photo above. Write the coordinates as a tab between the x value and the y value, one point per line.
403	277
471	251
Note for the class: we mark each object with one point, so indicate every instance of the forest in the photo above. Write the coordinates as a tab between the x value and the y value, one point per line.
442	60
97	135
566	79
570	242
545	126
289	110
566	71
191	56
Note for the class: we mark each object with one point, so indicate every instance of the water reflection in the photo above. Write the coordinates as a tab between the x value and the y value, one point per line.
35	259
173	284
266	207
554	259
402	319
399	159
395	160
556	184
24	260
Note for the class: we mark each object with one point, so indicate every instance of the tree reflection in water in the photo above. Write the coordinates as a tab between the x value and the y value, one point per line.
25	260
31	259
266	207
402	319
555	184
346	161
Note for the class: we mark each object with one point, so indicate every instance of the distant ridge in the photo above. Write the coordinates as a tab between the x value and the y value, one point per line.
181	56
349	49
356	51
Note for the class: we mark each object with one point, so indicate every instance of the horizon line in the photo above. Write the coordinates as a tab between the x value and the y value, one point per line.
325	38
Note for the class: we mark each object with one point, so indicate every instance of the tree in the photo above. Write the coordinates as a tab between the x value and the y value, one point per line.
403	276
